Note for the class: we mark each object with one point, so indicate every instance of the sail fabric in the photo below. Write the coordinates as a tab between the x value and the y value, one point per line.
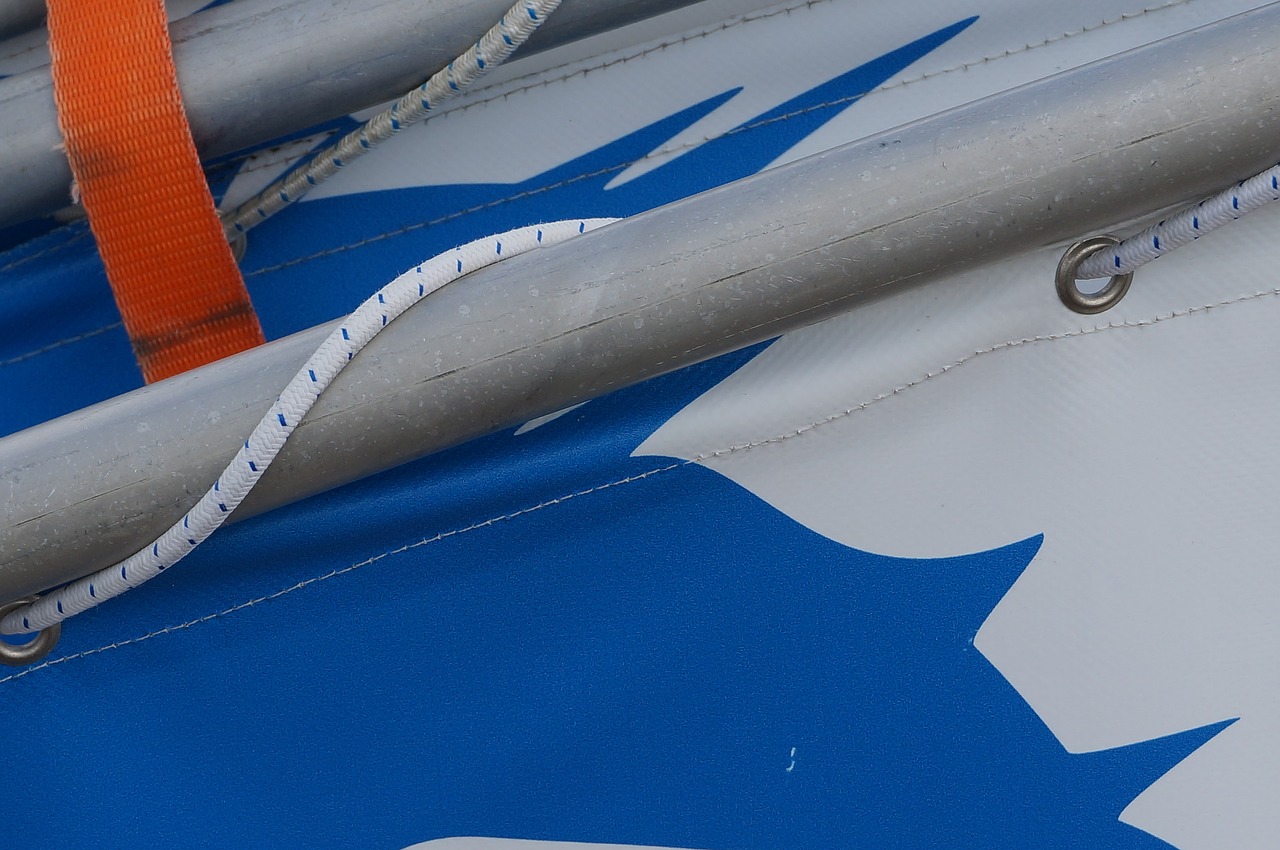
1022	601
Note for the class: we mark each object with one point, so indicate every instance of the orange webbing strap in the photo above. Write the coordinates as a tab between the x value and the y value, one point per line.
179	291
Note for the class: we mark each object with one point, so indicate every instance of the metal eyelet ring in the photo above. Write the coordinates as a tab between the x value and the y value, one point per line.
1065	279
20	654
238	240
239	244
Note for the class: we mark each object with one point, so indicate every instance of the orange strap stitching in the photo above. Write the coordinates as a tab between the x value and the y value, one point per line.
179	291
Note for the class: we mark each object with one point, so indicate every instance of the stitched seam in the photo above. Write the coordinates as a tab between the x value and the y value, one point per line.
342	248
1002	346
60	343
583	71
680	41
528	193
344	570
1008	344
19	53
747	19
52	249
664	151
1027	48
909	81
274	157
433	222
339	249
706	33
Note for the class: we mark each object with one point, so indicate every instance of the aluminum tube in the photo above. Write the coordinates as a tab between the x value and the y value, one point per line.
19	16
255	70
1050	161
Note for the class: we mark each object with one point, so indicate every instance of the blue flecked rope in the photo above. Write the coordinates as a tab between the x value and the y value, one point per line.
1185	227
493	48
262	446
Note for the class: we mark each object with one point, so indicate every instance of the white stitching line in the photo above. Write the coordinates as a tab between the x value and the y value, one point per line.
704	34
663	151
463	106
538	190
1008	344
692	143
53	346
276	156
457	214
928	75
583	71
1014	51
52	249
344	570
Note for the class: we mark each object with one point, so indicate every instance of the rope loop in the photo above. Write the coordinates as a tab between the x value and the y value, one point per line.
21	654
1185	227
270	434
1106	256
1065	281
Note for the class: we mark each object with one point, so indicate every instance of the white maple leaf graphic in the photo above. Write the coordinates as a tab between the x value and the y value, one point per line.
1140	443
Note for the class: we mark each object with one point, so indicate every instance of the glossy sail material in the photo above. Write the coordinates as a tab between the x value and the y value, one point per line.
959	568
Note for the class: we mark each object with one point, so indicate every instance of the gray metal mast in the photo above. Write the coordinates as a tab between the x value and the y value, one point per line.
1050	161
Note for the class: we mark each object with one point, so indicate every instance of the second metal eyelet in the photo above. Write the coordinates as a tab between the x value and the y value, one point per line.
1066	283
21	654
239	244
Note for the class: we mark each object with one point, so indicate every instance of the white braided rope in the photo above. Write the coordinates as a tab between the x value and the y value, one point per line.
252	460
1185	227
493	48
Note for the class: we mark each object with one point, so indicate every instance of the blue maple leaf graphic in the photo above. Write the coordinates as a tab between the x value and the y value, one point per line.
409	224
303	269
664	661
599	647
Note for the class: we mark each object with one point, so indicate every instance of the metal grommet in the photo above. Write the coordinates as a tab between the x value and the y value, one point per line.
237	239
239	244
20	654
1065	279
